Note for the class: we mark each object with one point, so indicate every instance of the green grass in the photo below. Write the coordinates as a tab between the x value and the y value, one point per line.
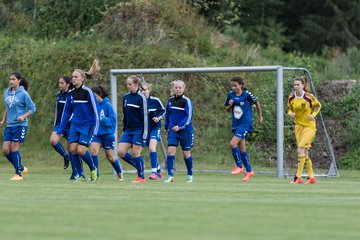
215	206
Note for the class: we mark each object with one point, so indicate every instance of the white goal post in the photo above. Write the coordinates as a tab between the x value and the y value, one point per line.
279	98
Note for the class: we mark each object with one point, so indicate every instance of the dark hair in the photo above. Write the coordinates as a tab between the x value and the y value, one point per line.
101	91
23	81
239	80
67	80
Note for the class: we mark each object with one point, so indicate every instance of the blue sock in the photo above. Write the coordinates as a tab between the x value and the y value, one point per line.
170	160
189	165
96	163
116	165
237	157
245	159
78	164
59	148
88	160
16	157
129	159
140	166
9	157
73	166
153	162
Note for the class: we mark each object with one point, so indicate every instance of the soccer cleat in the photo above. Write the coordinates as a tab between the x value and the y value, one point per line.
80	179
25	171
237	170
139	180
169	179
16	177
153	177
73	177
159	175
296	180
189	179
66	163
311	180
120	177
248	175
93	175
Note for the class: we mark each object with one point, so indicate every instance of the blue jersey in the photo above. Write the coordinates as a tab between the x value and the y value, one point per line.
156	109
107	123
83	106
17	104
179	112
135	110
241	109
59	107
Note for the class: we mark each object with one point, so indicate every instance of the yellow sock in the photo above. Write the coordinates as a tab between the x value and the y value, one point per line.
301	163
308	166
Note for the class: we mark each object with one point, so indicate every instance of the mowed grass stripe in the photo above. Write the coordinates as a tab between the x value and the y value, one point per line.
214	206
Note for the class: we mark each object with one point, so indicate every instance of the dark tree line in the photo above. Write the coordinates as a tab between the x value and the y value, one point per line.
304	25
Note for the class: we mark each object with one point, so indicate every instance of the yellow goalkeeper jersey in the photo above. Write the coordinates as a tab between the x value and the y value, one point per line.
302	106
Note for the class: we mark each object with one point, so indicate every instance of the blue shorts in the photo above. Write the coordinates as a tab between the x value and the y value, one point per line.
154	134
65	133
241	132
133	137
78	137
186	139
15	134
106	141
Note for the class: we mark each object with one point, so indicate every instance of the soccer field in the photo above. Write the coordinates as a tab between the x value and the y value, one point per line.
215	206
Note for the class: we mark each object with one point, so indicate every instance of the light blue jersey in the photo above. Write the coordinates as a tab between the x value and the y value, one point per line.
17	104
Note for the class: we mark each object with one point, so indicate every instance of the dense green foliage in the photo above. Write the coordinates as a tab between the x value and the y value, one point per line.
47	38
305	25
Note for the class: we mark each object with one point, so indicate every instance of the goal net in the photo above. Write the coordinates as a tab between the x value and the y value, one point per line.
271	147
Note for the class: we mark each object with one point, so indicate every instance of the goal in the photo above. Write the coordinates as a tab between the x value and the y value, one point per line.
272	152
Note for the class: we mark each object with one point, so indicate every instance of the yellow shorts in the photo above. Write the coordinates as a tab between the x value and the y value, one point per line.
304	136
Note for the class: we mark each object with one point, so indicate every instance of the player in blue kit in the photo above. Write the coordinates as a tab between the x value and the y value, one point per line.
82	106
106	135
179	128
156	114
18	107
239	102
135	126
64	84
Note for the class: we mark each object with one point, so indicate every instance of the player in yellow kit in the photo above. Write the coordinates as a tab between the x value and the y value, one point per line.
303	107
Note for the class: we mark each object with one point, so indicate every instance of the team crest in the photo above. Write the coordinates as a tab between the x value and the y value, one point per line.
241	103
303	105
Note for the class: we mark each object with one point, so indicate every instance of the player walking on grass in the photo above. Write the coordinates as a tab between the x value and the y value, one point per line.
81	105
156	113
18	107
303	107
106	133
135	126
239	102
179	128
64	84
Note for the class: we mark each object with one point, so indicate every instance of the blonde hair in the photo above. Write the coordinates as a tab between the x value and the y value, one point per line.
145	84
94	69
305	81
172	84
135	79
